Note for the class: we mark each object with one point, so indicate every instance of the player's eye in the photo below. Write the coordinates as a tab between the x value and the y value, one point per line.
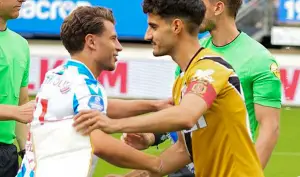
152	26
114	38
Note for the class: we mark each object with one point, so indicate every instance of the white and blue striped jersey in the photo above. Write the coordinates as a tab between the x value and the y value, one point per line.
58	149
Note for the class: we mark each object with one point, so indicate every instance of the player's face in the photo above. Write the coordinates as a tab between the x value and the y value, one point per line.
159	32
9	9
209	21
107	47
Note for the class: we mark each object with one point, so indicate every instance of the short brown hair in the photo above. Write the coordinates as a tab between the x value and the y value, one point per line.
233	6
82	21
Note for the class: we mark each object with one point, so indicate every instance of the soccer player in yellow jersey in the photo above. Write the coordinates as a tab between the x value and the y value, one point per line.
209	112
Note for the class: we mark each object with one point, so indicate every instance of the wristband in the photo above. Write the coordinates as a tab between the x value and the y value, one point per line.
159	138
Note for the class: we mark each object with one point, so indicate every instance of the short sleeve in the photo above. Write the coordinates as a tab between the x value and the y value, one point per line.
207	80
25	79
266	84
88	97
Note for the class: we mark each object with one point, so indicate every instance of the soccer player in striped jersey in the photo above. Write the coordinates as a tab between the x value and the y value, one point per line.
54	148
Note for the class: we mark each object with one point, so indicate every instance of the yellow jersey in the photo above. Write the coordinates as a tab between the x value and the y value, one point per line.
220	143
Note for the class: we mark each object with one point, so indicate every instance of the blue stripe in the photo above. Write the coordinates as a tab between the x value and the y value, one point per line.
31	174
91	82
173	136
75	104
92	92
100	92
22	171
82	69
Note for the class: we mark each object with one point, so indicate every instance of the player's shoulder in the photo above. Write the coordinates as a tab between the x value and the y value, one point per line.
209	58
208	63
66	74
17	38
257	50
260	58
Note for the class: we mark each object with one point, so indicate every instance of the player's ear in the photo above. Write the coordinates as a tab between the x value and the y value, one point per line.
90	41
177	26
219	8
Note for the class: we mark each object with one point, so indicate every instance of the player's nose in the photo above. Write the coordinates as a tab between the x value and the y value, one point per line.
148	35
119	47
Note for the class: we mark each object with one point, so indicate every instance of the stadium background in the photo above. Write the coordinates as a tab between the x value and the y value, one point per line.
274	23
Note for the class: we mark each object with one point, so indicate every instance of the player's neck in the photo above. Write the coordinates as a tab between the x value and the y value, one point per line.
88	63
224	33
2	24
185	51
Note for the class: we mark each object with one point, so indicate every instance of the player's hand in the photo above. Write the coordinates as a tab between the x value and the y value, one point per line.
138	141
163	104
24	113
88	120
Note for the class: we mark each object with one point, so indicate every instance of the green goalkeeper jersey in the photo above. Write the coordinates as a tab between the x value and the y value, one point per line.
257	69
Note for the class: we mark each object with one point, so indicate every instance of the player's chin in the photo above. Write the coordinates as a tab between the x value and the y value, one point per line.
111	67
14	15
157	53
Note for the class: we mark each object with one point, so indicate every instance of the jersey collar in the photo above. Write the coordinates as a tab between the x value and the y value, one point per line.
82	68
192	59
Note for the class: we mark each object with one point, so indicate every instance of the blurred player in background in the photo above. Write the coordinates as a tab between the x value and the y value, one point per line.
209	106
256	68
54	148
14	74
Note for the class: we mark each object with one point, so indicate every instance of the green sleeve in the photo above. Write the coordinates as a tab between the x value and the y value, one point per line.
266	83
25	79
177	72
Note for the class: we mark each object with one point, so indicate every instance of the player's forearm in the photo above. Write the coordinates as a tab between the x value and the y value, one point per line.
120	154
7	112
174	158
118	108
21	134
167	120
21	128
266	143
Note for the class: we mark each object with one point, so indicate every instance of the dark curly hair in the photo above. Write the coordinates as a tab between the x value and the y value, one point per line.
191	11
82	21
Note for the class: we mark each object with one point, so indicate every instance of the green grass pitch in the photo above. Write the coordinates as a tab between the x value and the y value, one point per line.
285	161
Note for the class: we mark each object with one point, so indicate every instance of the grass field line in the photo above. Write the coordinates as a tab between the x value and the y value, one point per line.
286	153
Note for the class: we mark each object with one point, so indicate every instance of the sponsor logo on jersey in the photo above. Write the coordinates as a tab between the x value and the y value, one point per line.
96	102
275	70
204	75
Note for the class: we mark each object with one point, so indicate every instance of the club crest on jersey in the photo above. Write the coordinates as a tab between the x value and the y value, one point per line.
200	87
96	102
203	75
275	70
